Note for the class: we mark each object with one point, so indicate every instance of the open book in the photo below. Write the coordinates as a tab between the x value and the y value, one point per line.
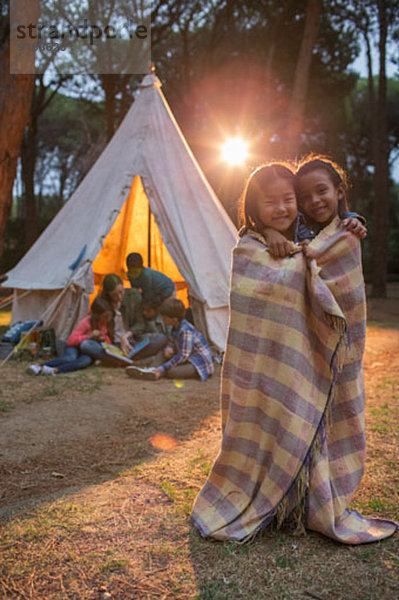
139	346
119	356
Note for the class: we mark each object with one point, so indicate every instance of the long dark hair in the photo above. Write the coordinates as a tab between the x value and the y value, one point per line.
109	284
255	187
337	175
98	308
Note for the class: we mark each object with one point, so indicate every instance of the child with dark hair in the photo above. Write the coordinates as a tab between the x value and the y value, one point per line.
187	354
151	282
153	321
93	328
153	331
126	306
269	202
326	197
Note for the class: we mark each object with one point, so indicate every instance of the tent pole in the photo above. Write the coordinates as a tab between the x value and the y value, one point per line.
149	236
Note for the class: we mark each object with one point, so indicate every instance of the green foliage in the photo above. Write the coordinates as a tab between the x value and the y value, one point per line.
69	130
70	135
226	68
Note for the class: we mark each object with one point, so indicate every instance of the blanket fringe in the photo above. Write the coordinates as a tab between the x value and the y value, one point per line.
336	323
292	508
297	497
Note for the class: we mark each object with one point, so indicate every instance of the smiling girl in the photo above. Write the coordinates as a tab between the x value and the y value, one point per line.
321	187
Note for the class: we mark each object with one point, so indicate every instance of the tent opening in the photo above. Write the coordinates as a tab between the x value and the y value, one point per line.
135	230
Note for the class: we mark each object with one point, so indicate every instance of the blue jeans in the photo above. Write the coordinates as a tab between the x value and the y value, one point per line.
96	351
71	361
158	341
93	349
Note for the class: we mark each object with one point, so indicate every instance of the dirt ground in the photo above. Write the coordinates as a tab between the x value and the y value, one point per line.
82	428
98	473
61	433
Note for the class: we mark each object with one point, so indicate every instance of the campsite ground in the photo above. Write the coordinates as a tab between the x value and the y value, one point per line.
99	473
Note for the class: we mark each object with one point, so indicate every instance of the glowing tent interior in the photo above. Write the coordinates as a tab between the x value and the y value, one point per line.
146	193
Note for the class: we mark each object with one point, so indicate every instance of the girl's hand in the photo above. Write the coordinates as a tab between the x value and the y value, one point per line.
125	344
95	335
308	252
168	352
277	243
353	225
157	373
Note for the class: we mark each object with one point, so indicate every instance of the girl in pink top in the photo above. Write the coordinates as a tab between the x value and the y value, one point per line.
93	327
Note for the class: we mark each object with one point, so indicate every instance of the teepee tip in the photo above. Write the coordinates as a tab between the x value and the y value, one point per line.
151	79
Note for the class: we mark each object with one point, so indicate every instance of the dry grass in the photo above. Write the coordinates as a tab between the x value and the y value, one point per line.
17	388
129	537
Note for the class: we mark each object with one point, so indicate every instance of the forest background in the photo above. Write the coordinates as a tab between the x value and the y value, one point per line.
278	73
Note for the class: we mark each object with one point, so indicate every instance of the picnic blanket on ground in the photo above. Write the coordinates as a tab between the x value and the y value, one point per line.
292	395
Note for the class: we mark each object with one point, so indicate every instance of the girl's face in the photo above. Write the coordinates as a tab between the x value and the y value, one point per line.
116	296
105	318
318	197
278	208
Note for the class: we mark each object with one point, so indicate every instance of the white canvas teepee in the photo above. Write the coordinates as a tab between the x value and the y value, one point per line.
145	193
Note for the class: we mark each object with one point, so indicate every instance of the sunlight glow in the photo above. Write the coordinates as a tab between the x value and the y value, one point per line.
235	151
163	441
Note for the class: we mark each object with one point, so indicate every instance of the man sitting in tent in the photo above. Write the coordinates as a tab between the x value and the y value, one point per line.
153	284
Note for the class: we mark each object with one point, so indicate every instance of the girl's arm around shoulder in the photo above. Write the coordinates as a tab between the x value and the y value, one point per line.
355	223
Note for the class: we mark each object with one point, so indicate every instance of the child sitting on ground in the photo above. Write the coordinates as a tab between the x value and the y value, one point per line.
188	354
153	321
92	327
151	329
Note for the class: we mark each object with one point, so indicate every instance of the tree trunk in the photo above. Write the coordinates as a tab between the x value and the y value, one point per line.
381	174
301	79
15	101
28	163
108	83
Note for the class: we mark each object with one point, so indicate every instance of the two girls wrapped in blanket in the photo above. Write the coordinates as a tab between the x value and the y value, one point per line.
292	396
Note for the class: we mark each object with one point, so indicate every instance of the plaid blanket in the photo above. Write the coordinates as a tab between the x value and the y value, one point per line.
292	395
